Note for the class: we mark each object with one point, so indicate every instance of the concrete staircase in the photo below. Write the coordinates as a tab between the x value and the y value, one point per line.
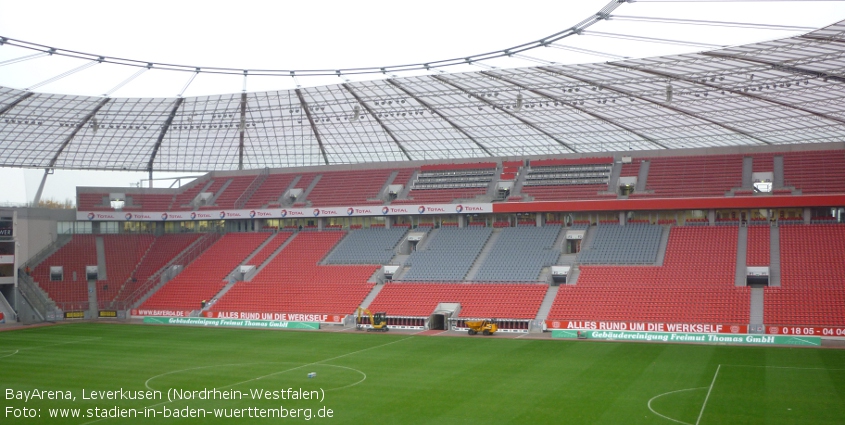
546	305
284	201
642	176
485	252
774	256
269	259
664	244
747	170
741	251
371	296
756	306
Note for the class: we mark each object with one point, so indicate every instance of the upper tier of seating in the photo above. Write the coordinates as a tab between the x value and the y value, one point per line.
367	246
439	196
615	244
568	192
360	187
519	254
812	264
205	276
574	174
700	175
448	255
453	176
694	285
293	282
511	301
234	189
270	192
545	180
815	172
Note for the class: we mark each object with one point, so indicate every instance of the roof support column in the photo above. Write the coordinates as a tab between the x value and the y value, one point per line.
509	113
242	132
579	109
164	129
37	200
304	105
661	104
436	112
15	103
379	121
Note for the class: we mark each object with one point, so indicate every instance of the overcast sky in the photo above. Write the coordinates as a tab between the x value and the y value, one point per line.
331	35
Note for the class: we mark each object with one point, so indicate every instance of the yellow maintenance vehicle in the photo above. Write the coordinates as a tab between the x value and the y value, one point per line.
486	326
377	320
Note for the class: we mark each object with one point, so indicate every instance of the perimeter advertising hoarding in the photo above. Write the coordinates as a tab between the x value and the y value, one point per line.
806	330
293	317
690	338
353	211
647	326
205	321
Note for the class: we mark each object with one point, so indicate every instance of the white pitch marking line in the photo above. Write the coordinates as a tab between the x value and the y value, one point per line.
780	367
708	394
49	345
10	355
275	373
317	362
670	392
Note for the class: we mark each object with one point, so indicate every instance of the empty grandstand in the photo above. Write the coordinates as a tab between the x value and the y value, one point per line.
577	206
448	255
520	254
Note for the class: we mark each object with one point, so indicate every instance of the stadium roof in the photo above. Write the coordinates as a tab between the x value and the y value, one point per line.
778	92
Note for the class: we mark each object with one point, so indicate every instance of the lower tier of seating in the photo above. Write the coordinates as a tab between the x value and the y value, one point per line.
694	285
293	282
812	291
205	276
511	301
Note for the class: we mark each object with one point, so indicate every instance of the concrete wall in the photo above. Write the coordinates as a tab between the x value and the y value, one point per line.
35	228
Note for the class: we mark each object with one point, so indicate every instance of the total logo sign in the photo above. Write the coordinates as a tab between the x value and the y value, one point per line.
361	211
284	213
325	211
468	208
92	215
164	216
201	215
384	210
431	209
138	216
253	214
232	214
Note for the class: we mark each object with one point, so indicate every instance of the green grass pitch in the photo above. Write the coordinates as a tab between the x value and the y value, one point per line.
402	379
